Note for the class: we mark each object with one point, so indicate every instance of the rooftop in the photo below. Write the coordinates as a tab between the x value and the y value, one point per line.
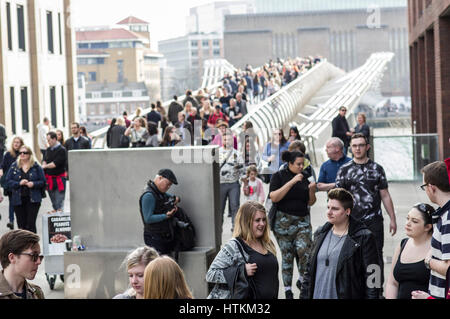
105	35
132	20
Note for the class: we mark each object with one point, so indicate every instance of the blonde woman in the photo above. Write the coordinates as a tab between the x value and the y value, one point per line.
26	180
164	279
9	158
251	250
136	262
138	132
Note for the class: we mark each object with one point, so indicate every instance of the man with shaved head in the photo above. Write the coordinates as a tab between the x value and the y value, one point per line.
329	169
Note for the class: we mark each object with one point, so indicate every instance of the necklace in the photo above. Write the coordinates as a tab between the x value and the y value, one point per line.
327	261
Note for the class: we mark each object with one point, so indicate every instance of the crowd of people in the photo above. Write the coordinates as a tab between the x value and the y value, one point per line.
344	258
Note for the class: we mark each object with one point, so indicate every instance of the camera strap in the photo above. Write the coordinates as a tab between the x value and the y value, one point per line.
226	160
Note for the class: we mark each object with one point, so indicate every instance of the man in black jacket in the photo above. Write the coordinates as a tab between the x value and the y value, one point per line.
344	262
76	142
174	109
54	165
341	128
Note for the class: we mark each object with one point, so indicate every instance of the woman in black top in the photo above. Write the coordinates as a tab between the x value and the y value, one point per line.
292	193
250	250
9	158
408	271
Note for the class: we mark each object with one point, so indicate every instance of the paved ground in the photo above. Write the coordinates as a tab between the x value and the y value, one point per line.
404	196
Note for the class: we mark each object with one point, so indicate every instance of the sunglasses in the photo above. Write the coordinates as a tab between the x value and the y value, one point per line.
24	153
424	208
34	257
423	186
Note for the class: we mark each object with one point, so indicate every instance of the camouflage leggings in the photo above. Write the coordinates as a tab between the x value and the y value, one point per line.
294	236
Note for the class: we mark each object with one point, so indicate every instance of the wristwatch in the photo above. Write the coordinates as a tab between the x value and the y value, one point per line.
427	262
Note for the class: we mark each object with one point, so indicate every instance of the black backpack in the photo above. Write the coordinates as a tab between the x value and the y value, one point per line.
184	232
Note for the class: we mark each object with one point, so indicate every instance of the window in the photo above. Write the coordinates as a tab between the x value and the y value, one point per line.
8	21
101	45
21	27
205	43
92	76
216	52
194	53
50	32
24	102
194	44
120	71
53	105
83	45
63	106
60	34
107	95
13	109
216	43
90	61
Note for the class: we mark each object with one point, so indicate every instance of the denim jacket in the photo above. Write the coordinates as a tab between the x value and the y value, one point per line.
36	176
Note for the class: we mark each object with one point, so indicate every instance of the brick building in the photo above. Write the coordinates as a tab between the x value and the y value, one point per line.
429	43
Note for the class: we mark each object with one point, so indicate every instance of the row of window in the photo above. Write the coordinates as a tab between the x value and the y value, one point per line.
111	45
90	61
216	52
205	43
24	108
92	76
21	29
118	94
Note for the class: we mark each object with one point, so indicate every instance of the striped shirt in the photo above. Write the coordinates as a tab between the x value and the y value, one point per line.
440	247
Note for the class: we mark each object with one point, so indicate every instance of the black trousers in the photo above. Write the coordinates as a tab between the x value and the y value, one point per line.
376	226
26	214
164	245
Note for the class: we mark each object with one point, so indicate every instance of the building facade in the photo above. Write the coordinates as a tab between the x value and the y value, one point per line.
37	66
272	6
186	56
104	100
345	37
429	45
116	55
209	18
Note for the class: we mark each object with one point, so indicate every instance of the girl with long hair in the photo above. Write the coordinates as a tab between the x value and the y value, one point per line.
251	250
164	279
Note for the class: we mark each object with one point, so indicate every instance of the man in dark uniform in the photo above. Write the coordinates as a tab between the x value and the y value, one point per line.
157	207
341	128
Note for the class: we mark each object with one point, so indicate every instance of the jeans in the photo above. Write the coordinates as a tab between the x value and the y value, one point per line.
232	192
27	214
11	212
57	198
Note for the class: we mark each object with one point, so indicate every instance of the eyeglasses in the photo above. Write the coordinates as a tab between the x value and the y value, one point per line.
343	110
423	186
34	257
24	153
424	208
359	146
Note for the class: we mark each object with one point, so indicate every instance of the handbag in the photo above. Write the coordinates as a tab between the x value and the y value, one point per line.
241	286
124	141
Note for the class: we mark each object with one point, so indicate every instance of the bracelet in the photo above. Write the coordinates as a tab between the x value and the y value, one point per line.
427	262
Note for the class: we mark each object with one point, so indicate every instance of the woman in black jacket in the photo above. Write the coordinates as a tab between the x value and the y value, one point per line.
343	263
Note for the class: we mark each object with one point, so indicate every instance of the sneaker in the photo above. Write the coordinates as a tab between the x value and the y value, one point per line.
289	294
10	226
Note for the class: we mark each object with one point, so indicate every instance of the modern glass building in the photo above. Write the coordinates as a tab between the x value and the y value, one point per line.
273	6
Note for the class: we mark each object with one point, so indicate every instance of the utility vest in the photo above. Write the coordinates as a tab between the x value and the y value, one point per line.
165	227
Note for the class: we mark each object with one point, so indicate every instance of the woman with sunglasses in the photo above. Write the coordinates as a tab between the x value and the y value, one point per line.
9	158
408	271
26	180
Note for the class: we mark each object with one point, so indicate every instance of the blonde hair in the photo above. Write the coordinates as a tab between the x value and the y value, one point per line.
164	279
140	256
244	223
120	121
363	115
32	159
12	151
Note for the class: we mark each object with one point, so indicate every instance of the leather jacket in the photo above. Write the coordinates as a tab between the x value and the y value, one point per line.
358	253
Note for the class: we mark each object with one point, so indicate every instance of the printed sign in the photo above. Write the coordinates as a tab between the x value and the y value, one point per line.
59	230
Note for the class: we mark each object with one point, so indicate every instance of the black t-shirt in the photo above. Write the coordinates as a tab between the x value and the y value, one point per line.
266	276
58	156
295	202
24	190
364	181
225	99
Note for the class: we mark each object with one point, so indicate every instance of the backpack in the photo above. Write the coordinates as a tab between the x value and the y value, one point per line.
184	232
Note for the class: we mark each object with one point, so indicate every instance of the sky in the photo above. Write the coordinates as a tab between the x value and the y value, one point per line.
167	18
